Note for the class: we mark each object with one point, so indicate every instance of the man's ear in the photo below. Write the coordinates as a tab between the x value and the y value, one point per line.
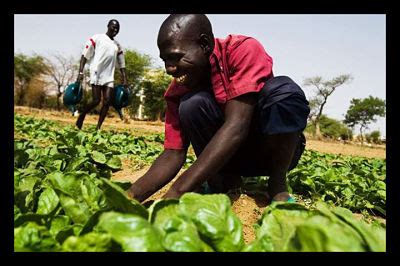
206	43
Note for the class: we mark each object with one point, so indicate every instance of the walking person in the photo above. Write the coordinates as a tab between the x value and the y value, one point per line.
104	54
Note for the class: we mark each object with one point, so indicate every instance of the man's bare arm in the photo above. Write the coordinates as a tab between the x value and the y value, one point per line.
82	63
123	74
162	171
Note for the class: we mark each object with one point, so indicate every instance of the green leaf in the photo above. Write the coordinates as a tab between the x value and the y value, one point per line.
119	201
91	242
48	201
91	222
75	163
70	230
374	238
320	234
278	224
17	212
214	219
182	236
28	183
77	210
133	232
161	210
114	163
99	157
34	238
93	195
179	234
69	183
25	194
59	223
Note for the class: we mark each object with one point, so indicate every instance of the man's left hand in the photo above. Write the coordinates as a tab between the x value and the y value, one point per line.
172	194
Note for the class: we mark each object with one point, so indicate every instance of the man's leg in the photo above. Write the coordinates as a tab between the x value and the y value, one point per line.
107	101
282	112
96	96
200	118
279	150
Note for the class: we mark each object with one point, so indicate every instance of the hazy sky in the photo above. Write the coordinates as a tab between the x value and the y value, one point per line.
301	46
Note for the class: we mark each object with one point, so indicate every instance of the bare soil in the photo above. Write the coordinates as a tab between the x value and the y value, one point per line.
247	207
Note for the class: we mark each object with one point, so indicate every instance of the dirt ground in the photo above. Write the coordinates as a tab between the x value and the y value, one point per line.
247	208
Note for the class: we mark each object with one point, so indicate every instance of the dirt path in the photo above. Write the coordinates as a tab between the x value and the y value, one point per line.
346	149
247	208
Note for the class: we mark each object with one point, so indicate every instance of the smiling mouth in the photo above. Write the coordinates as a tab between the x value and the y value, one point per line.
181	79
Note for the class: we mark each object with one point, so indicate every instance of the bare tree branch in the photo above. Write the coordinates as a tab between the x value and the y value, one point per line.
324	89
62	71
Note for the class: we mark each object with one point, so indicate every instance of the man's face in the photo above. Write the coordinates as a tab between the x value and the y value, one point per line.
112	29
184	59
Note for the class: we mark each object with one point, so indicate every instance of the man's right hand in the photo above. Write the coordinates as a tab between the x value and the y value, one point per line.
161	172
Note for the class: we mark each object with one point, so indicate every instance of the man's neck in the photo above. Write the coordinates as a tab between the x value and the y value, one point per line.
109	36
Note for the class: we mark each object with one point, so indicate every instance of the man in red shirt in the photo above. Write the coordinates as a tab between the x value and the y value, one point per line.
226	102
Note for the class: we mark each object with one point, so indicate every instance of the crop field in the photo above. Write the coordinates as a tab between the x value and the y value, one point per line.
69	195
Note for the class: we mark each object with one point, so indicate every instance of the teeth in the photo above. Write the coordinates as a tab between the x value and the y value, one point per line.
181	79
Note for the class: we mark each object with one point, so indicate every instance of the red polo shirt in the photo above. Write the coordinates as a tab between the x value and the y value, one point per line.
239	65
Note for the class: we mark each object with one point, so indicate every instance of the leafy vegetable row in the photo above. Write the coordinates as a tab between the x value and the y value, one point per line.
64	201
352	182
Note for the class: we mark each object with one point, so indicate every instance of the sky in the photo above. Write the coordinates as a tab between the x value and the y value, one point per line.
302	46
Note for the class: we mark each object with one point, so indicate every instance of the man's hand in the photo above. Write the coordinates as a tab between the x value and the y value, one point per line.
124	79
172	194
125	83
80	77
162	171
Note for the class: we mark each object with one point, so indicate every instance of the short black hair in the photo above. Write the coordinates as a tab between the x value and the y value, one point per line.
112	21
193	22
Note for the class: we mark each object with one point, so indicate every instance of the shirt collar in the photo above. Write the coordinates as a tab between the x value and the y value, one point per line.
216	54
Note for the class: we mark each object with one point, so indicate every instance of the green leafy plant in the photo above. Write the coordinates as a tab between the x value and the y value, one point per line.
64	200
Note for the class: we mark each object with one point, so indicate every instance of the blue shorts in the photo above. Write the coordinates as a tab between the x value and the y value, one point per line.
282	107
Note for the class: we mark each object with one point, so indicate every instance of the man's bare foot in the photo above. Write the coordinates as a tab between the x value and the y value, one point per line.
281	196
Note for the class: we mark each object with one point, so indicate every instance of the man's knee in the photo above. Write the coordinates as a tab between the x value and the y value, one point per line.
194	103
281	149
95	101
191	107
107	101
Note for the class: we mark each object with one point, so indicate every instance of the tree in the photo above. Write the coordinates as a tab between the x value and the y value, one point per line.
331	128
62	71
364	111
25	70
154	85
136	64
373	137
323	90
36	93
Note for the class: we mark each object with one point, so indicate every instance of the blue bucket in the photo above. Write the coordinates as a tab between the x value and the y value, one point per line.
72	96
122	98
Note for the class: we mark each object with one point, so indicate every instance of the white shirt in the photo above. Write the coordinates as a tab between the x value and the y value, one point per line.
103	55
